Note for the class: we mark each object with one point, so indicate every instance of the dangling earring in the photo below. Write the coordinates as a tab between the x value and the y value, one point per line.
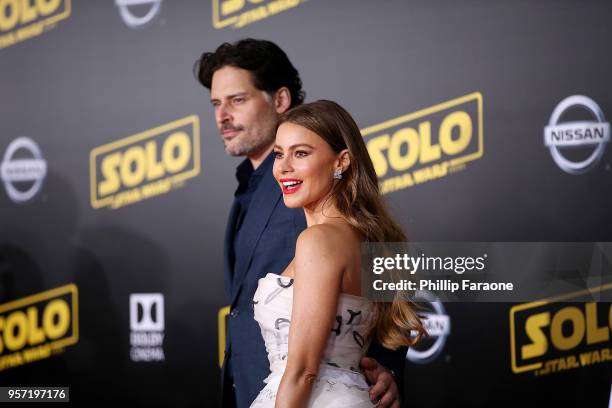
338	174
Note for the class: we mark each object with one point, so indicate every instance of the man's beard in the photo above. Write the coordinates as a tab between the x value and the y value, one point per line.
243	145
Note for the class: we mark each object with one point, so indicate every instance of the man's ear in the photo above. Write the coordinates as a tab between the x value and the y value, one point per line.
344	160
282	100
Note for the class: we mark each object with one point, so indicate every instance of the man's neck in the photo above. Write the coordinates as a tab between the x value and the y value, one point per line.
258	158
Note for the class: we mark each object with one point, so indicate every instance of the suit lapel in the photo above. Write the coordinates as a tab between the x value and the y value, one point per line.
229	253
261	207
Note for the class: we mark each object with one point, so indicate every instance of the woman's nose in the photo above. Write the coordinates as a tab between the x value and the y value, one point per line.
284	164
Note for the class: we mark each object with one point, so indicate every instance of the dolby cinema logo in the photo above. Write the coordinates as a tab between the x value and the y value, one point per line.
438	326
147	327
577	144
138	13
23	170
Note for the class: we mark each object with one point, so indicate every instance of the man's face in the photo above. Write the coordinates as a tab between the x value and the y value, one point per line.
246	116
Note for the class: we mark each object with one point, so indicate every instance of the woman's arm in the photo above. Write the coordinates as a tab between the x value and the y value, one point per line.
318	269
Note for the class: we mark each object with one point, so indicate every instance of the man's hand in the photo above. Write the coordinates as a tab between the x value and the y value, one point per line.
384	389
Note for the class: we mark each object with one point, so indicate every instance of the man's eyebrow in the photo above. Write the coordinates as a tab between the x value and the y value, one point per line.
230	96
294	146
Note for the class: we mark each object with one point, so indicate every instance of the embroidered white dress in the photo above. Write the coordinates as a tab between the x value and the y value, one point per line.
339	384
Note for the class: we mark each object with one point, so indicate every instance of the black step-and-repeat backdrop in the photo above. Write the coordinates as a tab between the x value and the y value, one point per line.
486	121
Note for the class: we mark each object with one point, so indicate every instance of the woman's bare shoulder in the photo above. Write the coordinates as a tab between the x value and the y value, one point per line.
327	238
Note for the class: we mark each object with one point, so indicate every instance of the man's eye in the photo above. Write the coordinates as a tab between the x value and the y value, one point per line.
239	100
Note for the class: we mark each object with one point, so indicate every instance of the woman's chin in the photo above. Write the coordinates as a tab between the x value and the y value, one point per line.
291	203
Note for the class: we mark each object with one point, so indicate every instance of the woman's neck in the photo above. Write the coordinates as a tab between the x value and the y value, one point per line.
322	212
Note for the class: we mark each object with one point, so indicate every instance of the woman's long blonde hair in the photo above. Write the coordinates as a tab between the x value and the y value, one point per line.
358	199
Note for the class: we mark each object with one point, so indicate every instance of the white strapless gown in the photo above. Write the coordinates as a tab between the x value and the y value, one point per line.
338	384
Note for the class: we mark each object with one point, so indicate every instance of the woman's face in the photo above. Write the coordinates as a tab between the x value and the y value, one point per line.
304	166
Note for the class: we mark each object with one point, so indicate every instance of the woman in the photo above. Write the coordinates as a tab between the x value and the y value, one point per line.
315	324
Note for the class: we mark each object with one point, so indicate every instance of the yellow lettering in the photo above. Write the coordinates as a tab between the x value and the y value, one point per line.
595	334
28	12
133	166
428	152
24	11
409	137
180	142
420	146
456	119
154	168
46	7
9	14
111	182
15	341
574	315
59	309
231	6
533	328
36	334
375	148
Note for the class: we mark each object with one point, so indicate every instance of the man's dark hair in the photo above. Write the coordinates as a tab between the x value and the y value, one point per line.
269	66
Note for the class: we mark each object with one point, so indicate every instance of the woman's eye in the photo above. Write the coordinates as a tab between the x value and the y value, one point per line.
301	153
278	155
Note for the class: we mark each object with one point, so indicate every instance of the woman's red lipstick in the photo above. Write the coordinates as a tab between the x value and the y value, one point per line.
290	185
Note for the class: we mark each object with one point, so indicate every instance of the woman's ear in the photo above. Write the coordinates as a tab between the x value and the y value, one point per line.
344	160
282	100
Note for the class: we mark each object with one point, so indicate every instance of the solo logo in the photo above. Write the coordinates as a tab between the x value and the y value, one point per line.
590	135
127	10
427	144
23	170
147	327
38	326
438	326
239	13
146	164
24	19
550	336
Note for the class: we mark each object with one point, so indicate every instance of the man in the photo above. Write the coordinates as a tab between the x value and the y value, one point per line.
251	83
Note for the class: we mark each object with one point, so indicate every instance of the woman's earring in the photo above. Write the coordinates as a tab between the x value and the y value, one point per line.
338	174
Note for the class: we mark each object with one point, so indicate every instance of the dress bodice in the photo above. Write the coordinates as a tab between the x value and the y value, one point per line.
346	343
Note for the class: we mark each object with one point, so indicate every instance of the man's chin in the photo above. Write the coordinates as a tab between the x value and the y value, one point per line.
234	150
233	153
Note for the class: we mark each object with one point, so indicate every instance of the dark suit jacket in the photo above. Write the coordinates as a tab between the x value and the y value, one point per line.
269	233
